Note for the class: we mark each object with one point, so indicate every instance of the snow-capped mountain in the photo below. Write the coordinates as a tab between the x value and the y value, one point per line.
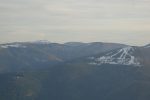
15	45
23	44
124	56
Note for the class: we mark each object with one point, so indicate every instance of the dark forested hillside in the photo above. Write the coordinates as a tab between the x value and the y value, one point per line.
74	71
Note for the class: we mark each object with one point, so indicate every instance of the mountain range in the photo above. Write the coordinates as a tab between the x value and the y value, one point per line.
42	70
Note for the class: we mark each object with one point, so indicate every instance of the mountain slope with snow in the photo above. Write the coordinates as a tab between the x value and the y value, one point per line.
124	56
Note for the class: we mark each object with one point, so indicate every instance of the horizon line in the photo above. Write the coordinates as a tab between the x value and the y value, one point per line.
32	41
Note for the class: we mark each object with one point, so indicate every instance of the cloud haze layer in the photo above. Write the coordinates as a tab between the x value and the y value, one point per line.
124	21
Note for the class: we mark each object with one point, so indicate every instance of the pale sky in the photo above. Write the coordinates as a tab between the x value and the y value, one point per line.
120	21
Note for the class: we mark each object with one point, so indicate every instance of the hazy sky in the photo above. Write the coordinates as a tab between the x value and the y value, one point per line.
123	21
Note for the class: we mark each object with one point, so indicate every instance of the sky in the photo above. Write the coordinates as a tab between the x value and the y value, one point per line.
119	21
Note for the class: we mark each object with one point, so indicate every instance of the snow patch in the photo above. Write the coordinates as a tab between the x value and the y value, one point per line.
13	45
